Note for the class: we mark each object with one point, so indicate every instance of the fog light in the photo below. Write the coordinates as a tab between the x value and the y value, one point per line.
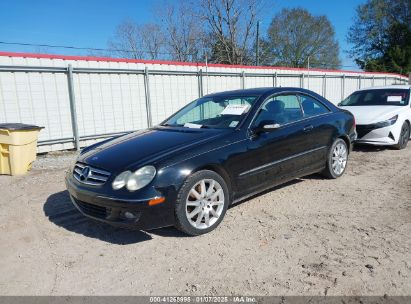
129	215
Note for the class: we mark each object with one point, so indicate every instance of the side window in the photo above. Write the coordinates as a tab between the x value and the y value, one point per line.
312	107
281	109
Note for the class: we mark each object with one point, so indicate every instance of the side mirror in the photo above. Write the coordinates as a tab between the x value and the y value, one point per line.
266	126
271	127
339	104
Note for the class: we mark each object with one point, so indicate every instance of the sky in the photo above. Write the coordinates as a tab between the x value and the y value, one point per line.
90	23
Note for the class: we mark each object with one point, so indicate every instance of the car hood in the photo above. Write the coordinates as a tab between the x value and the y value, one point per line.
365	115
143	147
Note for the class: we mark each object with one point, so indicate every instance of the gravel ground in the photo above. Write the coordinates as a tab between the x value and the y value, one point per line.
312	236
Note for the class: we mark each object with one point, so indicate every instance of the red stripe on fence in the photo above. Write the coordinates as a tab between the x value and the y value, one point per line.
178	63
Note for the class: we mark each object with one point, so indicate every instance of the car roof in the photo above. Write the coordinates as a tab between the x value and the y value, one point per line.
394	86
258	91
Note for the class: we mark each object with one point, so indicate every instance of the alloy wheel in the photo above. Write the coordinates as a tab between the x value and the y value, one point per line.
205	203
339	158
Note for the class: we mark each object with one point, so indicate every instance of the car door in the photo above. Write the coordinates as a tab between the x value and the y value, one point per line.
320	120
277	155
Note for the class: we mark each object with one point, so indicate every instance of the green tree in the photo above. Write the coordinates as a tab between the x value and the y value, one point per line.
295	36
381	36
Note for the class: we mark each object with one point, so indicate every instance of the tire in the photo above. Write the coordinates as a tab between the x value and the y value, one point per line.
201	203
404	136
337	158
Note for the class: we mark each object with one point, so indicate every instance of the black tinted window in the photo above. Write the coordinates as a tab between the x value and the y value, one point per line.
280	109
312	107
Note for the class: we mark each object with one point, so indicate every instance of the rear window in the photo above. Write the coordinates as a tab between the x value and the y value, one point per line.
380	97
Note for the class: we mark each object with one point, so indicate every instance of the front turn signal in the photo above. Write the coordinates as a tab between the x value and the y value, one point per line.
156	201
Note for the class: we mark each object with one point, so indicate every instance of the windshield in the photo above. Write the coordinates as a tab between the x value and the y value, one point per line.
380	97
212	112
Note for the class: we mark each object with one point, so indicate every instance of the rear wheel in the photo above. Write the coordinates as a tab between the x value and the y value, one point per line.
404	137
201	203
336	159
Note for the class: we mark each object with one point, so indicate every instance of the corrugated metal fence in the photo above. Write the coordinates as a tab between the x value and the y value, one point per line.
82	99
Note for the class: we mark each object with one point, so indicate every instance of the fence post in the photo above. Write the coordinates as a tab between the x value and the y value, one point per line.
302	80
373	80
359	81
73	109
409	78
243	80
275	79
148	99
324	85
385	80
343	87
200	83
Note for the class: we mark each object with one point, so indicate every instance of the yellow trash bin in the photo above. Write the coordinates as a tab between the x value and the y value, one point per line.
18	147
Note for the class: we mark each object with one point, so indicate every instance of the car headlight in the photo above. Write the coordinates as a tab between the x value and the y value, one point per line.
134	180
121	180
388	122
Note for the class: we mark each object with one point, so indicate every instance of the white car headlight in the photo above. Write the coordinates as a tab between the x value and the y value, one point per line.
121	180
388	122
134	181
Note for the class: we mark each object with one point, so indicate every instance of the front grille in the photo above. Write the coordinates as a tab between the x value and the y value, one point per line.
362	130
92	210
89	175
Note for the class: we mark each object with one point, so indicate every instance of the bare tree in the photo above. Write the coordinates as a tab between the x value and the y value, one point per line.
184	32
231	24
152	39
132	40
126	41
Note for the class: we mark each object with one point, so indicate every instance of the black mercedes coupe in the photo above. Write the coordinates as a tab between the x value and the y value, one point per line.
220	149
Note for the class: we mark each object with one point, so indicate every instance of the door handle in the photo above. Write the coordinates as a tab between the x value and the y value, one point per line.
308	128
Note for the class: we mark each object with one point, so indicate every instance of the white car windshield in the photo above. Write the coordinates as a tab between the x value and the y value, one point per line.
212	112
378	97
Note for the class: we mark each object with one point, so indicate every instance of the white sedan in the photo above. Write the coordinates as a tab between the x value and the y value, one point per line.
382	115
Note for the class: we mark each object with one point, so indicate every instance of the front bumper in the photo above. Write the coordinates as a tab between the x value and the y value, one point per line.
369	134
94	204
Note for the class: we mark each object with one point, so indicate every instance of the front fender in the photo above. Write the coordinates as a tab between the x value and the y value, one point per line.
176	174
